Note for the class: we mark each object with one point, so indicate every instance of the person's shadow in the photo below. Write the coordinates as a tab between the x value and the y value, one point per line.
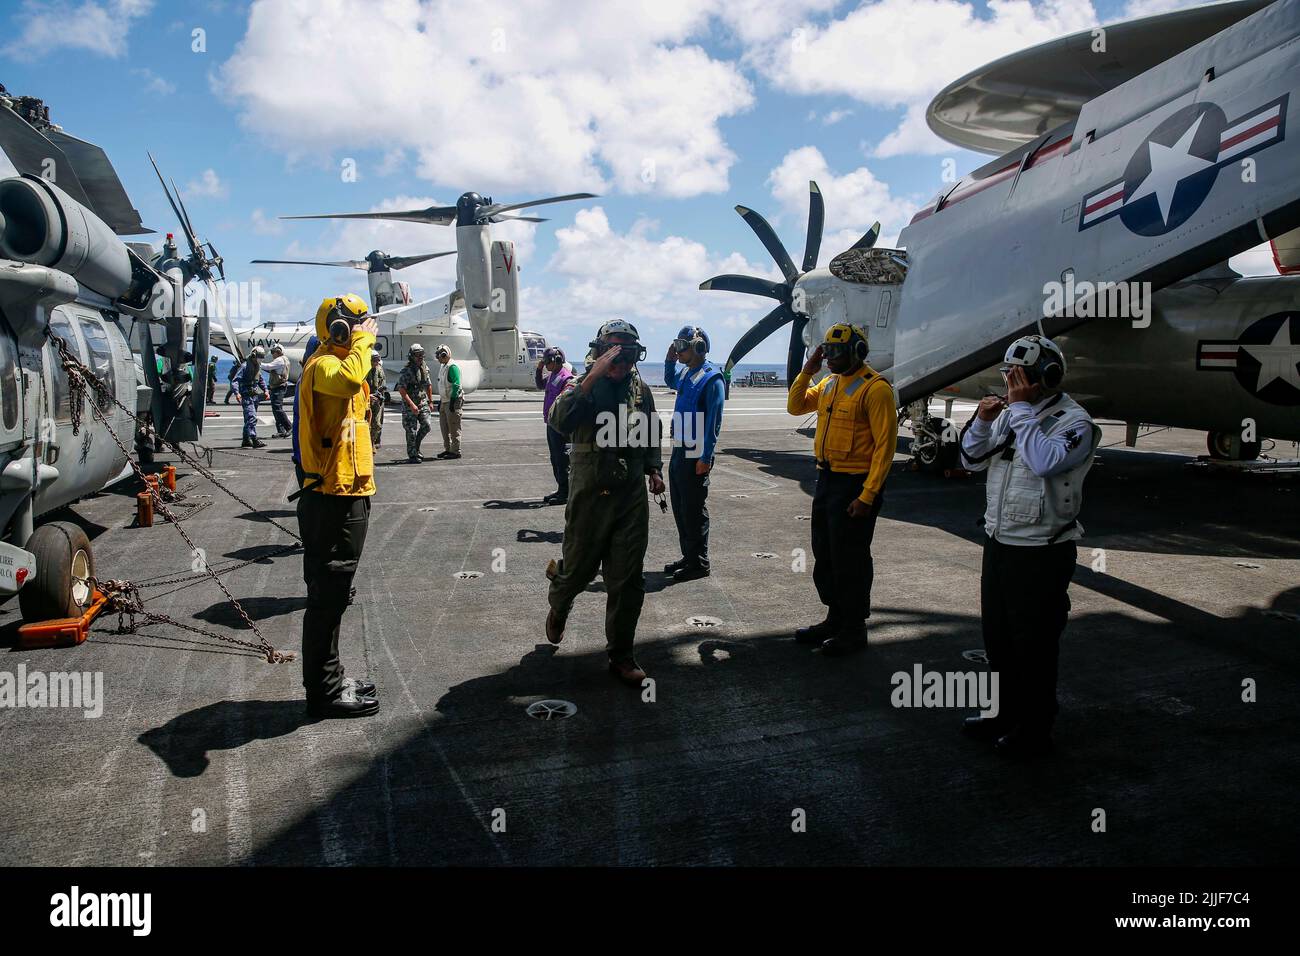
183	743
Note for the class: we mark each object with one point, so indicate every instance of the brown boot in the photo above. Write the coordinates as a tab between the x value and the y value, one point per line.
554	627
628	673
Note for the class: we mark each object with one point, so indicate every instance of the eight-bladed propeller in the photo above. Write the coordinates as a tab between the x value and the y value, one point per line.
471	209
377	261
783	292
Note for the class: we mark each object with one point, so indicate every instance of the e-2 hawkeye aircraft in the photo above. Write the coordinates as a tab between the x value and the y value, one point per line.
1150	162
66	275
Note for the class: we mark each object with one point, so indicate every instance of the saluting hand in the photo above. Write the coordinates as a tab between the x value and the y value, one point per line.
814	363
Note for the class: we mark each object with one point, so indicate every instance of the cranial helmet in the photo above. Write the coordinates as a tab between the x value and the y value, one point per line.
630	351
414	350
845	337
337	315
442	350
1040	357
553	354
258	352
689	335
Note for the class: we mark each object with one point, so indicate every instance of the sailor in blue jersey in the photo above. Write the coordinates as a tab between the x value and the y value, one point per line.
697	421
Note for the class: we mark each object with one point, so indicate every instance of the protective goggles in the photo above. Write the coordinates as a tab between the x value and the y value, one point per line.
629	354
835	349
681	345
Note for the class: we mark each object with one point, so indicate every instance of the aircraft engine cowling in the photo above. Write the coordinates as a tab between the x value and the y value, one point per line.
42	225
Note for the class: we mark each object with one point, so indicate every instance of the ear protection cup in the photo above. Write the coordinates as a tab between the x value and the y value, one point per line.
1051	372
340	331
862	349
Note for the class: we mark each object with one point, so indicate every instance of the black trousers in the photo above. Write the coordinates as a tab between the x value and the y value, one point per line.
689	494
333	529
557	443
1024	604
842	566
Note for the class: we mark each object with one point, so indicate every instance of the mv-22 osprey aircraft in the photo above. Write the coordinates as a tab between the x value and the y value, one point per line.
1151	161
484	338
65	272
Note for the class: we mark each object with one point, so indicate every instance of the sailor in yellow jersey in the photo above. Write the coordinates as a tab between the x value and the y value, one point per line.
337	476
857	430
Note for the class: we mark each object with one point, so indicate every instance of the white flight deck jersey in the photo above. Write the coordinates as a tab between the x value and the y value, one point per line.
1040	456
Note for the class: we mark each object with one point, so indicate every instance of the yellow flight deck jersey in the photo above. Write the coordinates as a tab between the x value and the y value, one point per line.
333	417
857	423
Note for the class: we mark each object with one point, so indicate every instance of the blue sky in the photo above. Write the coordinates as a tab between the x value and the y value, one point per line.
674	112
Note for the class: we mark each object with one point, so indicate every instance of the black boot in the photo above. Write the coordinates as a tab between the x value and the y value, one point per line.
815	634
848	640
347	704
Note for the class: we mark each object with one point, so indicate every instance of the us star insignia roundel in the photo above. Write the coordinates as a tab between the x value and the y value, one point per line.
1172	172
1265	360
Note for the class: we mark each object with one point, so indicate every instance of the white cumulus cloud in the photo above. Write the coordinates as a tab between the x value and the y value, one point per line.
495	95
94	26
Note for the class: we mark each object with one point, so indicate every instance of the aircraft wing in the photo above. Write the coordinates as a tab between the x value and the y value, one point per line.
431	310
1177	169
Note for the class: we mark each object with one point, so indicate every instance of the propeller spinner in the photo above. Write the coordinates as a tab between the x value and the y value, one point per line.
783	292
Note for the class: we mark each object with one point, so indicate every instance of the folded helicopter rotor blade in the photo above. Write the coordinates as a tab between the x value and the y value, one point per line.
751	284
191	236
401	262
767	236
794	356
346	263
162	182
223	318
496	208
435	215
816	220
756	334
868	239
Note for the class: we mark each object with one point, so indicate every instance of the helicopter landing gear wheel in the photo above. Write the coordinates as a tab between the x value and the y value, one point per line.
61	585
1226	446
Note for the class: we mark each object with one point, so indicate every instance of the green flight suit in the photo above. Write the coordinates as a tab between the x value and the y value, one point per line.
607	518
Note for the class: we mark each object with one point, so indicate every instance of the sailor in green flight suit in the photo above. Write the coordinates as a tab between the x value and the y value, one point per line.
610	415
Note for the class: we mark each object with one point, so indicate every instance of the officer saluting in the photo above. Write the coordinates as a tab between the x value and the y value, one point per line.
1037	446
610	415
697	420
857	431
337	475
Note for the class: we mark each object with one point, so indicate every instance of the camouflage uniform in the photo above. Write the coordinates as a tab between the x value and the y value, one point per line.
415	379
375	379
607	519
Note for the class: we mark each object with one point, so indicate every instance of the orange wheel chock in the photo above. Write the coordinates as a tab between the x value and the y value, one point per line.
61	631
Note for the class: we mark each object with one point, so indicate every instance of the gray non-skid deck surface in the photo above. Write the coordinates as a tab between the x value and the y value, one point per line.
747	727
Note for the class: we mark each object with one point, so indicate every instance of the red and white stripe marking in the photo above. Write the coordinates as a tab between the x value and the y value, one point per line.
1250	132
1103	203
1219	355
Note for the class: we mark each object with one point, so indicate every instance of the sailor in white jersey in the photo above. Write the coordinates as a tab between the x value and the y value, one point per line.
1037	446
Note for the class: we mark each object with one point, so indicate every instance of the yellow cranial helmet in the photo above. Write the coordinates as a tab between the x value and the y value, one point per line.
843	337
346	310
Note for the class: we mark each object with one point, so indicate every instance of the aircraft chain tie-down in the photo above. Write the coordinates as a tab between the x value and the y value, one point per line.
123	595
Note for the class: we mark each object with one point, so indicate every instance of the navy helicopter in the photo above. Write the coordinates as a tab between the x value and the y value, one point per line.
73	291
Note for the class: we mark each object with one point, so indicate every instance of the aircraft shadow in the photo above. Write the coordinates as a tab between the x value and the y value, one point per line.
746	732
